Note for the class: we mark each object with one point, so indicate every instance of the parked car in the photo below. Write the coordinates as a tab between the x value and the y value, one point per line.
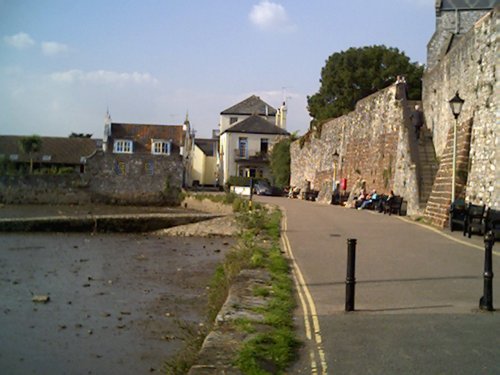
262	187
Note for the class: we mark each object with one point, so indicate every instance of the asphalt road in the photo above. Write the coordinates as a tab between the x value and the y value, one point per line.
417	294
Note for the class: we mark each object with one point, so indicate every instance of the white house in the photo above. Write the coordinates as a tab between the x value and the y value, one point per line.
205	158
248	131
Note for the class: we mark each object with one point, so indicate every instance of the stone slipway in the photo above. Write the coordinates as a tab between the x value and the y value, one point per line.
137	222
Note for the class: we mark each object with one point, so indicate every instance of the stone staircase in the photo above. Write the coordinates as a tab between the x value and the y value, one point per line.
439	201
428	167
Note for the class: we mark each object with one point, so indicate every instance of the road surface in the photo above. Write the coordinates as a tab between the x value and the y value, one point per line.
417	295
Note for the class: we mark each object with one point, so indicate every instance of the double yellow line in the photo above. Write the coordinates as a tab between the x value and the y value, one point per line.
311	322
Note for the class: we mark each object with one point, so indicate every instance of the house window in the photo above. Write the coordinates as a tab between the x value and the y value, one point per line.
160	147
46	157
232	120
264	145
243	147
122	146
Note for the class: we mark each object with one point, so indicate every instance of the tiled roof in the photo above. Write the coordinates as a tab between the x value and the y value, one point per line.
55	150
250	106
256	125
206	145
142	134
466	4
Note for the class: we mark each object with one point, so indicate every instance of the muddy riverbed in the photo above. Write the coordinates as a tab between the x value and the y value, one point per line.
119	303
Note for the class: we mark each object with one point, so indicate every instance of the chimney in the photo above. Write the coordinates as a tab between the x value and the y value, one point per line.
283	110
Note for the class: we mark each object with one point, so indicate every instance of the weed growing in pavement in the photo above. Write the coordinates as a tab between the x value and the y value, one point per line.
193	339
271	351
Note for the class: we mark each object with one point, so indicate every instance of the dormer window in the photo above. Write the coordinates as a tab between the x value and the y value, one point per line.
161	146
122	146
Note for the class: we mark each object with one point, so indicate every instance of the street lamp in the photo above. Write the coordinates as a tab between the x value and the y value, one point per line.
456	104
335	159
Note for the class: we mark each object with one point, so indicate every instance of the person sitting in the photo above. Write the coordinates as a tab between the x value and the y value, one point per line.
360	199
387	201
369	201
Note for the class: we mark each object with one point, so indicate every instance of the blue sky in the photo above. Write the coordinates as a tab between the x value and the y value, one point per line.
63	63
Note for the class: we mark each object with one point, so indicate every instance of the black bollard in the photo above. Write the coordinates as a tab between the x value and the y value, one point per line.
350	281
486	301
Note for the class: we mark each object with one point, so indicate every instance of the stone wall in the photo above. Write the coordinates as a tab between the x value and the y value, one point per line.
134	178
448	23
44	189
367	142
108	178
469	68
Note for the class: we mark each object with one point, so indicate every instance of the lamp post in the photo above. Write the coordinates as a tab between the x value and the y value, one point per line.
456	104
335	192
335	157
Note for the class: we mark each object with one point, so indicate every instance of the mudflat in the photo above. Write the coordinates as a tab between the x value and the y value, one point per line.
118	303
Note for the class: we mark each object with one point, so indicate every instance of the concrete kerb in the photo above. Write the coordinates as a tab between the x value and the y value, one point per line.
221	346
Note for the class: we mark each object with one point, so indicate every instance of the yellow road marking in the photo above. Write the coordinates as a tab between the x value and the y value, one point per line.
307	304
435	230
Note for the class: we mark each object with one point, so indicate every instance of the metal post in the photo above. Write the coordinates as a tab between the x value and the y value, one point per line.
350	281
486	301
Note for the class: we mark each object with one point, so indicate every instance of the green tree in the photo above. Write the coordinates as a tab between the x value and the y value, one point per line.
280	161
351	75
31	145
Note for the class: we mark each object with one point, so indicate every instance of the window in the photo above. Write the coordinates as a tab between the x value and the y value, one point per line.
160	147
46	157
242	147
232	120
264	145
122	146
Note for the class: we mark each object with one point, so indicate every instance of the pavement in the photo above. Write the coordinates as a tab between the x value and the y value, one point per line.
417	294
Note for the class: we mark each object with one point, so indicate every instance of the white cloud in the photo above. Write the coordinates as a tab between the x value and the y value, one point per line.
53	48
19	40
422	3
270	16
103	77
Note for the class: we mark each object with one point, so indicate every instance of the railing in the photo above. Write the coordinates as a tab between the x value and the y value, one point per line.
246	154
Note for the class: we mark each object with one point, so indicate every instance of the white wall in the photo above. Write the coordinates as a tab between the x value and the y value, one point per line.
230	142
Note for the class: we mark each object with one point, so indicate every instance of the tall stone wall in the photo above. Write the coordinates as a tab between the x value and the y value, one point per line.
367	142
450	26
469	68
